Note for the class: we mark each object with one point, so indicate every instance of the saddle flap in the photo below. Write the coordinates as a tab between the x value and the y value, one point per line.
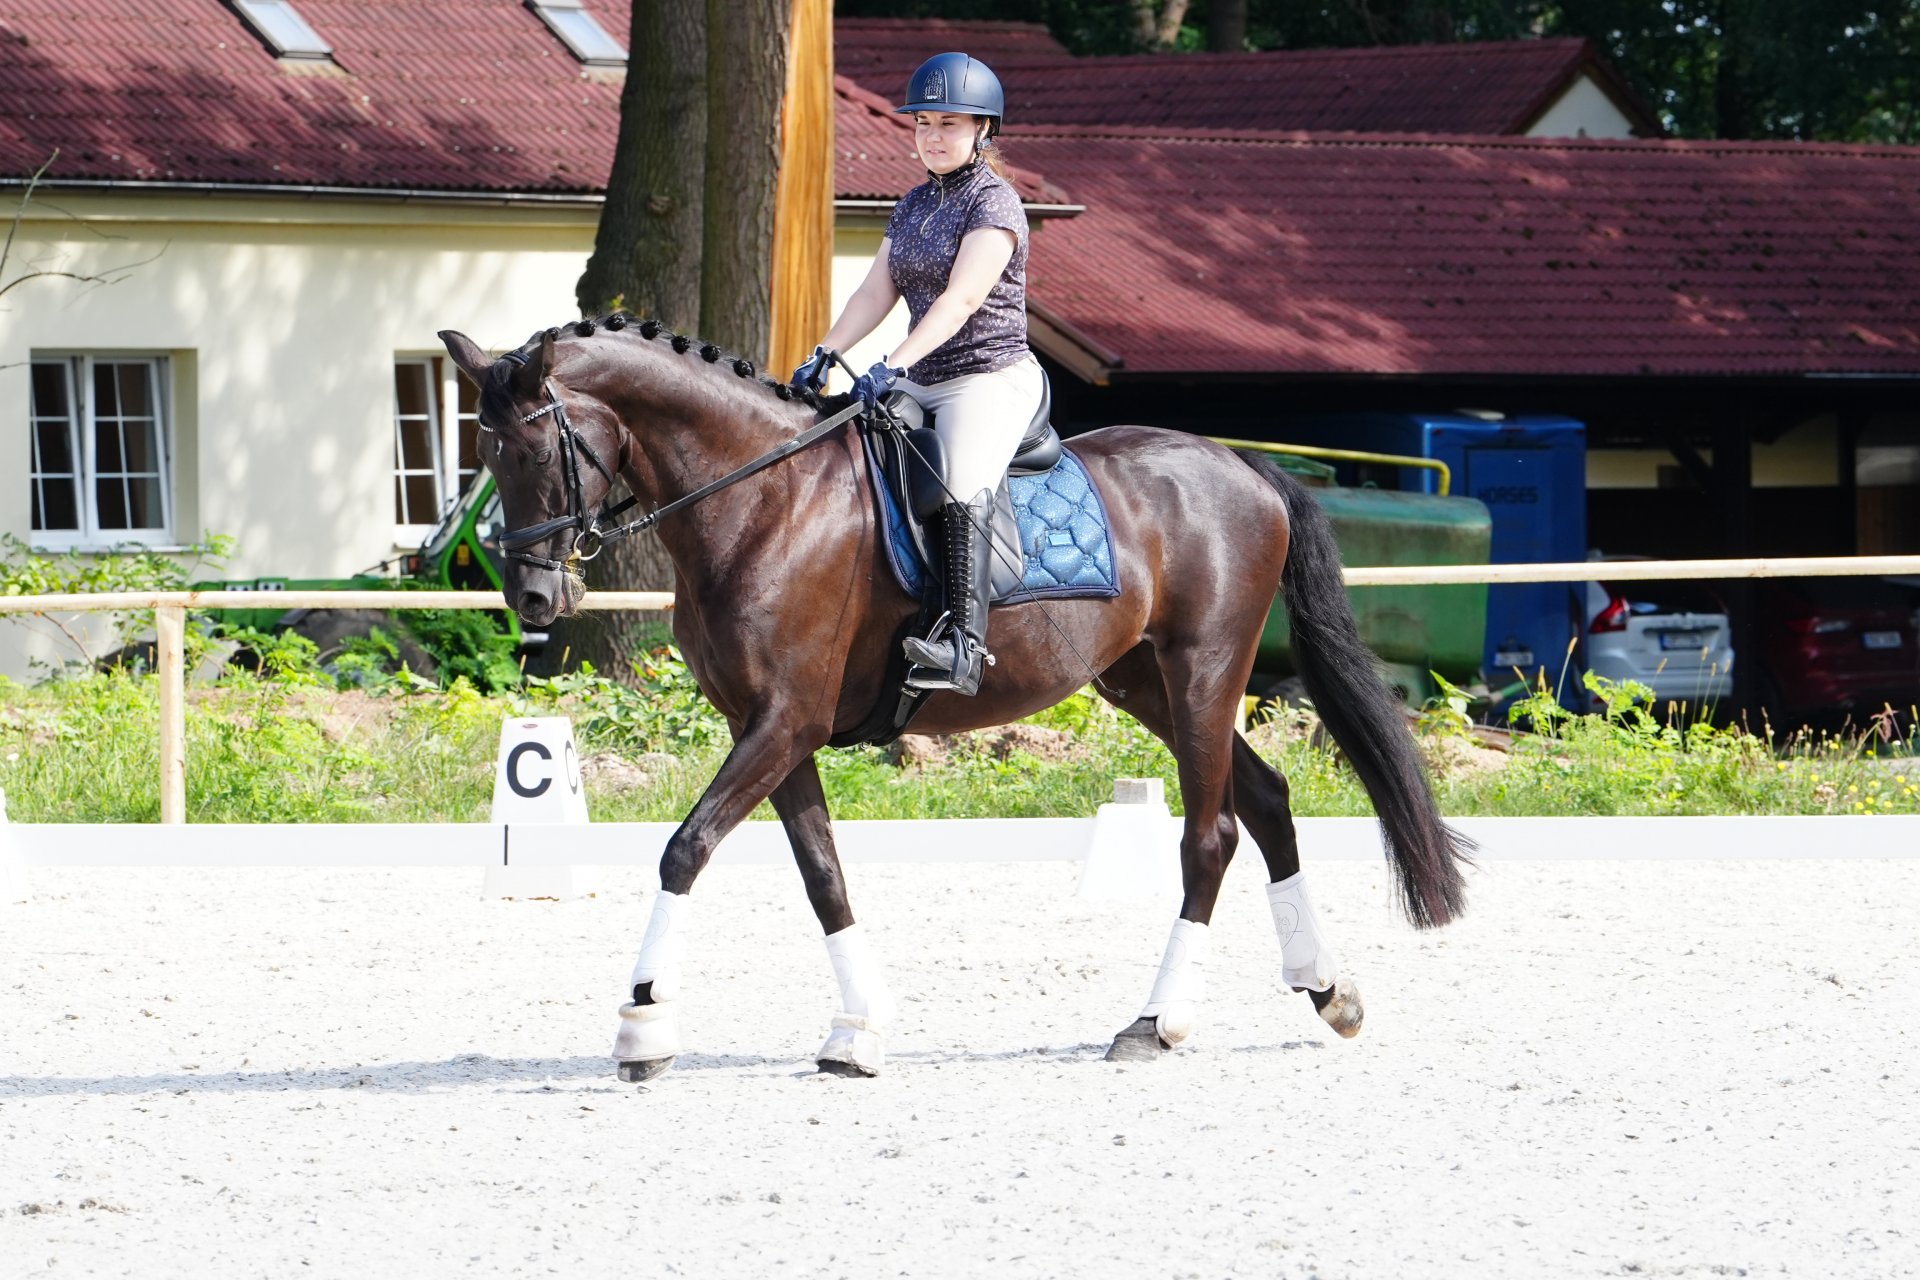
926	472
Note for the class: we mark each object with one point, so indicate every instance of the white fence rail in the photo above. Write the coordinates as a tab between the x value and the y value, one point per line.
171	607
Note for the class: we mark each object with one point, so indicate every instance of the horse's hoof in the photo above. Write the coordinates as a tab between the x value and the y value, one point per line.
1140	1042
641	1072
846	1070
1340	1007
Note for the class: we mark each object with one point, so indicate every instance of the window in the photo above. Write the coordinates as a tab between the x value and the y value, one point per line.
279	24
436	440
101	455
579	32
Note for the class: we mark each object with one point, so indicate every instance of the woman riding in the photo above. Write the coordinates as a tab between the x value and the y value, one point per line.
956	250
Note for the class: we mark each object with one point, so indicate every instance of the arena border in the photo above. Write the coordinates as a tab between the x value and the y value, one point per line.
944	840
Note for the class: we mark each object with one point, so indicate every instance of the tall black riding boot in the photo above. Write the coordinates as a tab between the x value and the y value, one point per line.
952	657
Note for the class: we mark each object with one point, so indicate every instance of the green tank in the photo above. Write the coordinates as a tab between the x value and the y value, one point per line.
1414	630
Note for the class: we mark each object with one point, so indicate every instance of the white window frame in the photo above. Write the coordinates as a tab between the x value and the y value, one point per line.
561	17
83	429
443	404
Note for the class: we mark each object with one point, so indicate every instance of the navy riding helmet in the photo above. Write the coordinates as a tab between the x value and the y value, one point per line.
954	82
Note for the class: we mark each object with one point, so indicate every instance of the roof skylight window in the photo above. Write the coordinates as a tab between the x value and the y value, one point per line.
579	32
284	30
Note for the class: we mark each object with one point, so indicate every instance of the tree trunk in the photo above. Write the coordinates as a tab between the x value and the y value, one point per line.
746	84
646	258
1227	26
1171	17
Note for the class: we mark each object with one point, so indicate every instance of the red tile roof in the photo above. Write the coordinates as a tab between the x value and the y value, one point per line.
1491	88
880	53
1284	254
463	94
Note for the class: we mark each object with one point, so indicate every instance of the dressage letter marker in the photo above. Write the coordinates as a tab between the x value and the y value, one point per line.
1135	849
536	783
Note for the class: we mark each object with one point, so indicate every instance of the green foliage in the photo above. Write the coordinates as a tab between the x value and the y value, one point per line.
280	744
466	644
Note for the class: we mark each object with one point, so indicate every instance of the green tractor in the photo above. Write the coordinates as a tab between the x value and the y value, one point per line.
461	554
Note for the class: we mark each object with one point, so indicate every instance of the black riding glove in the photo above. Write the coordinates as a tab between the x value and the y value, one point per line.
812	373
873	385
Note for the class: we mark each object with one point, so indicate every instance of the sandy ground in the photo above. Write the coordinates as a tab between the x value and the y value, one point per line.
1608	1068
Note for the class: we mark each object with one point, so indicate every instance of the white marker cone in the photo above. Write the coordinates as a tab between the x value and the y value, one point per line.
536	782
1135	850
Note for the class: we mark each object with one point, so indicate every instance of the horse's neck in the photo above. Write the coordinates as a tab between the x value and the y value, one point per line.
690	433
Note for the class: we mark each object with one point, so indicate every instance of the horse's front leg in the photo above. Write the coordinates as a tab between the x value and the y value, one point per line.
763	755
855	1043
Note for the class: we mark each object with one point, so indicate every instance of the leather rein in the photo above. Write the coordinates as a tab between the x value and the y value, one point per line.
593	530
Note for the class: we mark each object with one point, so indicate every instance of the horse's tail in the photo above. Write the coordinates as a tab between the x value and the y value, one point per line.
1362	714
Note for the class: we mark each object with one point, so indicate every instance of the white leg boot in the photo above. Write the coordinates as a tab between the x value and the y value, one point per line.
649	1034
855	1045
1174	1005
1307	963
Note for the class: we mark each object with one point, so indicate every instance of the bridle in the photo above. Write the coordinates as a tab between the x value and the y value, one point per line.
590	535
593	531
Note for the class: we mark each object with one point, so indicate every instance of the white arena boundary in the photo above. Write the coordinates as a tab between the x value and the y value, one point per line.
919	841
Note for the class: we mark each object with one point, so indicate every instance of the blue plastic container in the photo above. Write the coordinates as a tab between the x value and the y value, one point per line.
1531	472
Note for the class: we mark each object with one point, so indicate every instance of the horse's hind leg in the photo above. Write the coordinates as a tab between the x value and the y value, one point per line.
855	1045
1190	703
1307	962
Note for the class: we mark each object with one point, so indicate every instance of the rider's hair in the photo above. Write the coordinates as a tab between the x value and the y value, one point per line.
990	151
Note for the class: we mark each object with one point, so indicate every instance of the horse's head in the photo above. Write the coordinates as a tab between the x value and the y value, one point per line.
554	453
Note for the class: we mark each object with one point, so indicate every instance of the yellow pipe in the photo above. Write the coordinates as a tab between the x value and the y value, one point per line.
1445	479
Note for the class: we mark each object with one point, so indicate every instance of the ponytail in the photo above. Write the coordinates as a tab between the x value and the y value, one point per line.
989	149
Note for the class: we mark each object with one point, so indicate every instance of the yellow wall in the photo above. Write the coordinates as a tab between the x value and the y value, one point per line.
283	318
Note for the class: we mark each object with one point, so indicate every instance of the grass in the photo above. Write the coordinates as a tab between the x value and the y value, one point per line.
289	747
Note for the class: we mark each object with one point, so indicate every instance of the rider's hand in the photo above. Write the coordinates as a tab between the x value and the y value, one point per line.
812	373
873	385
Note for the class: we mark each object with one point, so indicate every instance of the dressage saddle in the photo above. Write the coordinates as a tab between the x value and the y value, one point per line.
912	463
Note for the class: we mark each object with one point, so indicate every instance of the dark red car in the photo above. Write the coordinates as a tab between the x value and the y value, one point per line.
1839	645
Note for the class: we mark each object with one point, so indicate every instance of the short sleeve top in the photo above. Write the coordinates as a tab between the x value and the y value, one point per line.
925	232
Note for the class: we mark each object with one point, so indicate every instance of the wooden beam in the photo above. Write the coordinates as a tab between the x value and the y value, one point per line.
803	212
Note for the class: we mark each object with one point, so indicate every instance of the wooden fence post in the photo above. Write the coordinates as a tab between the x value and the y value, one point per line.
171	623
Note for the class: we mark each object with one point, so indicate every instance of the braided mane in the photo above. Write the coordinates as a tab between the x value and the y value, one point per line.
651	329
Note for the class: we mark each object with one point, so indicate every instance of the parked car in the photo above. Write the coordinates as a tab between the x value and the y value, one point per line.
1834	646
1672	637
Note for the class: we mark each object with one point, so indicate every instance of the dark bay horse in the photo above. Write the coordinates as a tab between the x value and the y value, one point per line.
787	613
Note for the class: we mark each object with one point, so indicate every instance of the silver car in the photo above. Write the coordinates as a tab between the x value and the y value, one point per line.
1670	636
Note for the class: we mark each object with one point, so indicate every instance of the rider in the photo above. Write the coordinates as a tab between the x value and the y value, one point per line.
956	250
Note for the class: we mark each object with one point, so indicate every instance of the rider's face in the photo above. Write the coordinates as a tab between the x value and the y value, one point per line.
944	139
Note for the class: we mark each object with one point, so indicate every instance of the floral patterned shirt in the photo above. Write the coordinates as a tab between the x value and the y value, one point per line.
925	232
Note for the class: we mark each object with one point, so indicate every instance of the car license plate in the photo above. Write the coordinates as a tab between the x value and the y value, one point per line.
1880	639
1685	639
1504	658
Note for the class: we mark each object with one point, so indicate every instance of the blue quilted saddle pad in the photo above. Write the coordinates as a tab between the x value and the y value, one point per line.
1063	536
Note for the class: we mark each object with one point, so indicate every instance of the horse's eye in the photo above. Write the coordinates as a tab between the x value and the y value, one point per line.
543	457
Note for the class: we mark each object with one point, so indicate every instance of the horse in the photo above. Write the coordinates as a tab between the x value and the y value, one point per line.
787	616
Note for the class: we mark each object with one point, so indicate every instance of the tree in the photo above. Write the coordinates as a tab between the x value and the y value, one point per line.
646	258
746	83
686	233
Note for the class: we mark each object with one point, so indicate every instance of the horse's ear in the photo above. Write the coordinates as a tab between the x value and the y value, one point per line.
529	378
467	354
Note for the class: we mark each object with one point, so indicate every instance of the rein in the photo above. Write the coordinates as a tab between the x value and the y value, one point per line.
593	534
